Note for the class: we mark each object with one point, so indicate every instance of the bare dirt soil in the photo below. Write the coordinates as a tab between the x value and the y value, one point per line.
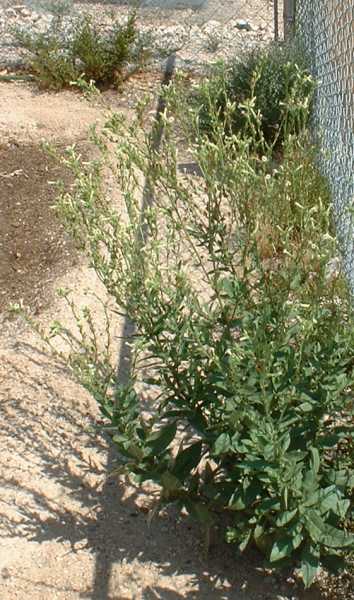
67	529
34	249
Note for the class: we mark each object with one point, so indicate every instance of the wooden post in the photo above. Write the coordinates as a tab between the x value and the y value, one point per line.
289	19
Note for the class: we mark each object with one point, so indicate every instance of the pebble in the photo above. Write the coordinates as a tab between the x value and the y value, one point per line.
243	24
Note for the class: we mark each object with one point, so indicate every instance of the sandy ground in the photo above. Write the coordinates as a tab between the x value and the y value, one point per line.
67	530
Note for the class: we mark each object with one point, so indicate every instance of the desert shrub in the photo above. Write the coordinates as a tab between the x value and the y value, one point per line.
244	340
58	59
103	57
275	68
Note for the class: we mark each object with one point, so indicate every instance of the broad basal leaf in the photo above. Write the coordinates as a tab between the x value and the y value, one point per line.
281	549
310	565
160	440
186	460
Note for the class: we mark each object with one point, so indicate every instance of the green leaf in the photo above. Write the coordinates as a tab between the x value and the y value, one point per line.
128	449
254	465
262	540
295	532
245	540
245	497
222	444
342	508
297	540
199	422
312	499
269	504
169	482
310	482
296	282
227	286
306	407
237	501
285	517
325	534
186	460
160	440
285	442
340	478
315	460
310	565
281	549
258	532
329	499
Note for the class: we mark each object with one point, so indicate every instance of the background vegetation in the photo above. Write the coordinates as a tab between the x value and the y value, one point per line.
85	54
276	66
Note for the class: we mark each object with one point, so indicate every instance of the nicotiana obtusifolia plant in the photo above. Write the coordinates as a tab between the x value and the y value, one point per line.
244	341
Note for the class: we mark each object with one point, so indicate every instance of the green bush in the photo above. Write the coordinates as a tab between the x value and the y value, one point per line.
268	74
59	60
103	58
242	337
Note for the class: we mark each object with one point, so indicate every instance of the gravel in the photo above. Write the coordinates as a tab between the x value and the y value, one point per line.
198	38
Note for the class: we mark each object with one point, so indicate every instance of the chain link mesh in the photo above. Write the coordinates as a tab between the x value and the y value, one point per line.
326	29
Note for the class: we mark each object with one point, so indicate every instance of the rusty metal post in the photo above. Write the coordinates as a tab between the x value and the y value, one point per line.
289	19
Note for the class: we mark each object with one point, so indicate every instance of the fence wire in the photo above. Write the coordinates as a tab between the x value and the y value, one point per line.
326	30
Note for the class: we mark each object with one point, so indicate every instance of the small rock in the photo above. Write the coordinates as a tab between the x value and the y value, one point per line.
243	25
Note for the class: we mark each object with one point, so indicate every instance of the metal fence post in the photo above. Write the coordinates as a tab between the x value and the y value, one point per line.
289	19
276	20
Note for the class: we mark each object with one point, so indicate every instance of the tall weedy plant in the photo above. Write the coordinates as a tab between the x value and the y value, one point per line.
241	334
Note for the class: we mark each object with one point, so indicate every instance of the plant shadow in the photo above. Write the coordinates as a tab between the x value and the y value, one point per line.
58	486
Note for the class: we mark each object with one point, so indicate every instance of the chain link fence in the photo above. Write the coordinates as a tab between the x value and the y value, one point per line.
326	30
